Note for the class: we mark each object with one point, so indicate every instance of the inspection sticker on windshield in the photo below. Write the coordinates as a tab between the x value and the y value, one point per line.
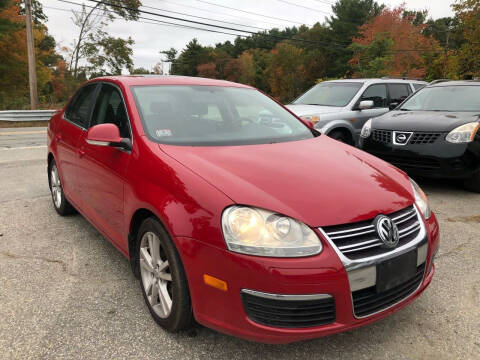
163	132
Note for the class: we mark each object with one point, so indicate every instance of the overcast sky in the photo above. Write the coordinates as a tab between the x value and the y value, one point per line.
150	39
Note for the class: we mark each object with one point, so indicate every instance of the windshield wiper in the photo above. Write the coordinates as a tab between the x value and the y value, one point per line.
404	109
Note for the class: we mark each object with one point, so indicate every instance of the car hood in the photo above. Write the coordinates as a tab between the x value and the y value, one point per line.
318	181
301	110
434	121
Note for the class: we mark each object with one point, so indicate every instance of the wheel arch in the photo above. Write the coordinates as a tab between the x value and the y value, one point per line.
138	217
346	131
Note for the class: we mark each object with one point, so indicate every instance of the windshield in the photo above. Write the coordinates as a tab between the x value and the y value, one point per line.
445	98
214	115
337	94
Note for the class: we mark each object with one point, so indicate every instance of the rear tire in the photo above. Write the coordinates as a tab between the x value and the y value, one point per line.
60	202
162	277
473	184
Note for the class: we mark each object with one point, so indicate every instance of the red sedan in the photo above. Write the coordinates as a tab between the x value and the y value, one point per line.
235	213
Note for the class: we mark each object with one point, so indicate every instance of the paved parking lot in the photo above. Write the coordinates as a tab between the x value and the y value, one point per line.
65	292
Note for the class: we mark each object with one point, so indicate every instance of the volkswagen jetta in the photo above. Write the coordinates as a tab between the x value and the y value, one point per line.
236	213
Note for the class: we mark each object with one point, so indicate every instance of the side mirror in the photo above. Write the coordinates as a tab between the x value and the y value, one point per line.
365	104
393	105
307	123
107	135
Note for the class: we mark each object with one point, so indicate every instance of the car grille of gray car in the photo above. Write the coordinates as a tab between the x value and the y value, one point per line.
360	240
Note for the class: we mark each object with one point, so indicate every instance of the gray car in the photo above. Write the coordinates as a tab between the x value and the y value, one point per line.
339	108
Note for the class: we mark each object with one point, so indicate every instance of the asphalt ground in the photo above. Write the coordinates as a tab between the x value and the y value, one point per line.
67	293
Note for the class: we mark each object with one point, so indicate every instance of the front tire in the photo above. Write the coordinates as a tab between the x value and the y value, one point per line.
339	136
60	202
162	277
473	184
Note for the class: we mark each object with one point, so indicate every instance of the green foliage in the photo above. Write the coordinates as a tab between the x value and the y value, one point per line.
348	16
139	71
373	58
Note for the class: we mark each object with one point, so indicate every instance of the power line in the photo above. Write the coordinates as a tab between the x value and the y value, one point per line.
305	7
249	12
330	44
219	13
203	23
204	18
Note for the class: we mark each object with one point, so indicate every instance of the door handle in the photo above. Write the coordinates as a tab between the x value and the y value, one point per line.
81	152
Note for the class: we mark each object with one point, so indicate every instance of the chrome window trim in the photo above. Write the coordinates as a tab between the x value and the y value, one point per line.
350	264
286	297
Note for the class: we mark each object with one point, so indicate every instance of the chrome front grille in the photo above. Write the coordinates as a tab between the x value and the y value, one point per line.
360	240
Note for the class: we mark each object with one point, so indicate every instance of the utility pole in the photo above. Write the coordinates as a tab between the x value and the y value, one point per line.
32	71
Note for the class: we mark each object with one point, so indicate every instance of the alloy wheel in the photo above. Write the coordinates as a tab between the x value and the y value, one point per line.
156	275
56	186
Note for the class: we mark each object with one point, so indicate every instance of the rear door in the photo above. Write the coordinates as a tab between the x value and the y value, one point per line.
70	130
103	169
397	93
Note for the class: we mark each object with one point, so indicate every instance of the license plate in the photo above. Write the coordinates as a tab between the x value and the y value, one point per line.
396	271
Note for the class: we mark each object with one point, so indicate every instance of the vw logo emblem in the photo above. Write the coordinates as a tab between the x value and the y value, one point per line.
401	138
387	231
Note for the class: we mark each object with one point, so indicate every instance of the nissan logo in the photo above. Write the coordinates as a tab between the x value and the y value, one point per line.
387	231
401	138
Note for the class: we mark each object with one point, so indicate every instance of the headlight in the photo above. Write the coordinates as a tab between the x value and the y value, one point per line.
463	134
313	118
366	129
421	200
264	233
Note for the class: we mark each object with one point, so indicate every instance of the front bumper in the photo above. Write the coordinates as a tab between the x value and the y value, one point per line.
438	160
322	274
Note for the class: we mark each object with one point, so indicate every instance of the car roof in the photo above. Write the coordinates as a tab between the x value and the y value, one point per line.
132	80
455	83
379	80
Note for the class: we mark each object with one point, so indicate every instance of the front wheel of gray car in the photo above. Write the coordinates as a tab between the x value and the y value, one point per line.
162	277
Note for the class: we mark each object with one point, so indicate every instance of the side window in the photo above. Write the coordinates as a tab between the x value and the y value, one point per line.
78	110
377	93
418	86
398	92
110	109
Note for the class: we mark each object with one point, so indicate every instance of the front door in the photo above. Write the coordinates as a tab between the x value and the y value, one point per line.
103	169
378	94
71	128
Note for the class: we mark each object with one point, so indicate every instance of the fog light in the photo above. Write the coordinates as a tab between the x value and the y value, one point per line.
214	282
432	260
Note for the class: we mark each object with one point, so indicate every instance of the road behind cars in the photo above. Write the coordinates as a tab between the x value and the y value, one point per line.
66	292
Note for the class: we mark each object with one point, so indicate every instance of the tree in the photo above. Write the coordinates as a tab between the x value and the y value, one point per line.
139	71
171	55
193	55
207	70
344	25
391	44
468	13
286	72
91	21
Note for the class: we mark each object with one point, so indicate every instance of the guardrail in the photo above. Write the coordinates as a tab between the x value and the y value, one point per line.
26	115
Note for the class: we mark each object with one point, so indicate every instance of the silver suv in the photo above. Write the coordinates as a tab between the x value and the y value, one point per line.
339	108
